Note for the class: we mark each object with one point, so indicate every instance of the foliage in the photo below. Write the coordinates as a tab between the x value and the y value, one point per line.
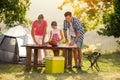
89	11
112	21
13	12
118	42
118	46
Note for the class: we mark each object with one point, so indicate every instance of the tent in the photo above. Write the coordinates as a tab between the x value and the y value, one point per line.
9	51
11	41
10	44
22	36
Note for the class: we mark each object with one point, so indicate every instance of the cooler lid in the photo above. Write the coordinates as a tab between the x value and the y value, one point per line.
55	58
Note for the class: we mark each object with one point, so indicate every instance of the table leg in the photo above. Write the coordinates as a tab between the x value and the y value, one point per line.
28	58
70	58
35	58
65	54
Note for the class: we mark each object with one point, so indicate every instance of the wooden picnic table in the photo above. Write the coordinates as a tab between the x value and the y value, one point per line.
67	53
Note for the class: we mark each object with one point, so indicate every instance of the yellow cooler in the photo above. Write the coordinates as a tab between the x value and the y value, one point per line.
54	65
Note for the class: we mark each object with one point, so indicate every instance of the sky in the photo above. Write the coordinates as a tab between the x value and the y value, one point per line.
49	8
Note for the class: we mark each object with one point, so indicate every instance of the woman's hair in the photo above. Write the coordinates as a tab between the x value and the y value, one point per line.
68	13
41	16
54	23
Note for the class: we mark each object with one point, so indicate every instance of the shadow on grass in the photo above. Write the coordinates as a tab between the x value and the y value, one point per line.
107	59
11	68
112	58
68	75
19	73
108	62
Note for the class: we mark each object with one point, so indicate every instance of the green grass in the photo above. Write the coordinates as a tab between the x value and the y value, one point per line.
109	64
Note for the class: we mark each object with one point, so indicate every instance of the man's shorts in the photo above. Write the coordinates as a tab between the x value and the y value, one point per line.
79	42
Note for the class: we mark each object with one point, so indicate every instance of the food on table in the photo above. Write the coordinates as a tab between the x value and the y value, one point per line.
52	43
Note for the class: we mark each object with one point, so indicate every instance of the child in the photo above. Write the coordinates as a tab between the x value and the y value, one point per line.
56	35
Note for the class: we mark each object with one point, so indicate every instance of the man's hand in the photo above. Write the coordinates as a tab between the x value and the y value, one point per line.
72	43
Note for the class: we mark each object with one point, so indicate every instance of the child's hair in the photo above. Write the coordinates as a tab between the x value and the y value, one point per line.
54	23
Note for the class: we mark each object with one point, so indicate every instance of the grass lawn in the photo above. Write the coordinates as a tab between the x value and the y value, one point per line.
109	64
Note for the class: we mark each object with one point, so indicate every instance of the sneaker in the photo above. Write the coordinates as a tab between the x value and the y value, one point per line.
79	68
75	66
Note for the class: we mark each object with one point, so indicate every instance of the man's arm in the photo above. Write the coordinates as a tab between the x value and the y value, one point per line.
77	36
65	31
79	29
65	35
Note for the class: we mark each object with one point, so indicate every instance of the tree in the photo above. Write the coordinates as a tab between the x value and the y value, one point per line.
112	21
89	11
13	12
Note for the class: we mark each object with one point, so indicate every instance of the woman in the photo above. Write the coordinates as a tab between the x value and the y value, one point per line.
38	32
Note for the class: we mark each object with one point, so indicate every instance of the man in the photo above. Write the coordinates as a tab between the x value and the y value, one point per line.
76	34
